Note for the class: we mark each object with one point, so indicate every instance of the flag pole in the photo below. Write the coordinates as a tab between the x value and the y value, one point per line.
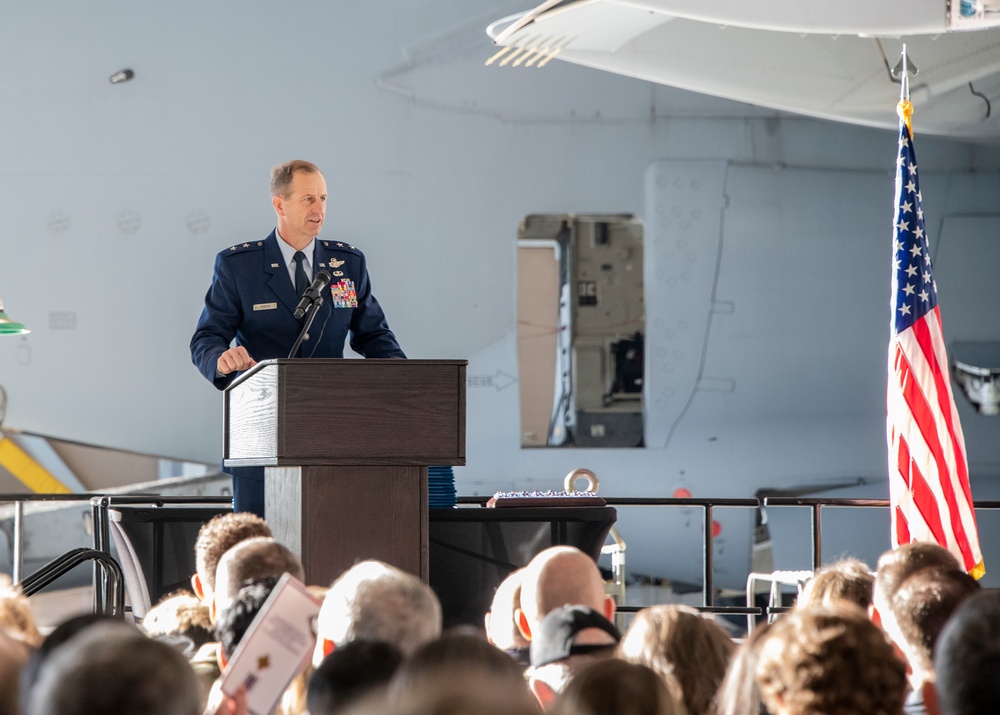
905	108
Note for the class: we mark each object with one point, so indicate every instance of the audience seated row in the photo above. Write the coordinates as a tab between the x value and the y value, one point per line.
918	636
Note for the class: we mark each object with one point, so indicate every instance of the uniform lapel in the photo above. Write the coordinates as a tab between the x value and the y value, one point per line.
279	281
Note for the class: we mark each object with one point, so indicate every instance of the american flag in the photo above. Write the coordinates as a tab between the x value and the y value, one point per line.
928	470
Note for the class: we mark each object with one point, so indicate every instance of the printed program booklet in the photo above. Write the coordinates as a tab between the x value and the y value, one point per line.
276	647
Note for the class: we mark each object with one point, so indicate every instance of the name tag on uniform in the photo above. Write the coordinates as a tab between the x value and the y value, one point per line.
265	306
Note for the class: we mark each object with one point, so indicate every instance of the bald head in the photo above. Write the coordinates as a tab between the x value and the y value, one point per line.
249	561
561	576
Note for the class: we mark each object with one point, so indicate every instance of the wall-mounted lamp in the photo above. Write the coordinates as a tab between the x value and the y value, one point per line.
121	76
8	326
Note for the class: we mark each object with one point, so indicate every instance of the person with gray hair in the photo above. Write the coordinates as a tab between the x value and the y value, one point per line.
111	669
375	601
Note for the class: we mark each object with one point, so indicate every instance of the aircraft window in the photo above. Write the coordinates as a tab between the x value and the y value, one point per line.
581	328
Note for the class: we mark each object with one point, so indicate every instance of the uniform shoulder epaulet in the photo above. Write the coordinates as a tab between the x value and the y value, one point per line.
243	248
340	246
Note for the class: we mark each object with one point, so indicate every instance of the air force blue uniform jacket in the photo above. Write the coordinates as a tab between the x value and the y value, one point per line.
252	299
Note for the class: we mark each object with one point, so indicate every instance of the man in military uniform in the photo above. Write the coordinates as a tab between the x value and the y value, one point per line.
257	286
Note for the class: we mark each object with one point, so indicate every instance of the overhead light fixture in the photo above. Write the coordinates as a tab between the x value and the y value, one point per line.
121	76
8	326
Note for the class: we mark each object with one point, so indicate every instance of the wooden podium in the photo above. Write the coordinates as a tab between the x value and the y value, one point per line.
346	444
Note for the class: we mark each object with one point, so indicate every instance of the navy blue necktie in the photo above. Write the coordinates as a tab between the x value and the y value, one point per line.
301	282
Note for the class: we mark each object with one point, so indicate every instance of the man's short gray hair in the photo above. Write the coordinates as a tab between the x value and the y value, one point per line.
375	601
112	668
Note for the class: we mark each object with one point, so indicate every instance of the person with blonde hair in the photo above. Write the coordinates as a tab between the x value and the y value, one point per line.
845	580
689	651
824	660
17	620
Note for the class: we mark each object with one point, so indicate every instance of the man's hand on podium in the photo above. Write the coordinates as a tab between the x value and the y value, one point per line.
234	360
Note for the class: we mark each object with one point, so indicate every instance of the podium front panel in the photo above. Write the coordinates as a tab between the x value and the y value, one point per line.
378	412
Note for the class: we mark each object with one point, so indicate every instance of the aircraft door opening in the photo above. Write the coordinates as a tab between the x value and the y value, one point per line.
581	330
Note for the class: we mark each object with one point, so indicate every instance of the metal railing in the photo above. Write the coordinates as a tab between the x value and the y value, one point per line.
108	581
112	596
101	503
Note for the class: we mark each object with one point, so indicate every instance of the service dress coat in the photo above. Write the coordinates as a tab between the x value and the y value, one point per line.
252	299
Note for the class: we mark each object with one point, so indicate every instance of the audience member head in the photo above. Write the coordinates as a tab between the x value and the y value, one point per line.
478	694
456	655
690	652
234	621
616	687
845	580
567	639
738	694
354	670
820	660
378	602
215	538
560	576
967	658
16	617
920	607
13	655
896	564
501	622
180	616
249	561
60	635
111	669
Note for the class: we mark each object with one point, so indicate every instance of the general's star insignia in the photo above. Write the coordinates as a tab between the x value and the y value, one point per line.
246	245
340	245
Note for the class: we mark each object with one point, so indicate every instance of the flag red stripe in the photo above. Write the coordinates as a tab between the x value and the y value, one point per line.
923	498
902	532
924	419
929	340
932	342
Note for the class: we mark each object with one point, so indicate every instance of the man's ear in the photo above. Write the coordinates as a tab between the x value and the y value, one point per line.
542	692
276	202
199	589
929	693
323	648
522	623
486	624
609	608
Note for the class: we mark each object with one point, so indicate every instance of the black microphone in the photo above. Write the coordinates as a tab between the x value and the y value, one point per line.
320	281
